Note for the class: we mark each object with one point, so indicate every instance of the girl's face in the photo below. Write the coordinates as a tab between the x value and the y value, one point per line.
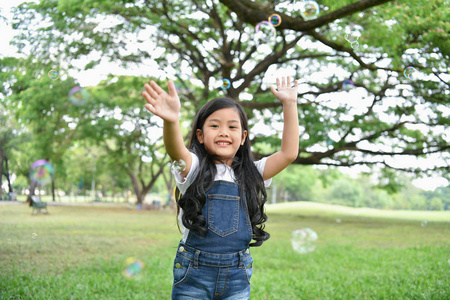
222	134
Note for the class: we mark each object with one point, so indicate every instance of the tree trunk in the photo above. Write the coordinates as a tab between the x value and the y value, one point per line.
53	190
140	194
1	170
139	198
7	175
136	188
33	186
170	190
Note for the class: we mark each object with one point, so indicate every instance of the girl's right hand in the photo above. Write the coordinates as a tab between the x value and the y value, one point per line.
166	106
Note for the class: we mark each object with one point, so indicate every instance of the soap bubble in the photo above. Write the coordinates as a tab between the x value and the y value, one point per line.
409	72
9	241
424	223
355	45
275	20
304	240
132	267
78	96
265	32
53	74
177	167
41	171
338	220
309	10
226	83
34	236
347	84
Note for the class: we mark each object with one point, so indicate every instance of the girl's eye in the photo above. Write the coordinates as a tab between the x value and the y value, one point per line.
215	126
233	127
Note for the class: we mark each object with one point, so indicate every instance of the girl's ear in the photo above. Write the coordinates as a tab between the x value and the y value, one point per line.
199	133
244	135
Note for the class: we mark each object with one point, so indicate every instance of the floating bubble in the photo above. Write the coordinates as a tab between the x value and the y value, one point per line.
304	240
9	241
409	72
41	171
34	236
226	83
338	220
424	223
133	267
78	96
352	36
265	32
309	10
53	74
347	84
275	20
355	45
177	167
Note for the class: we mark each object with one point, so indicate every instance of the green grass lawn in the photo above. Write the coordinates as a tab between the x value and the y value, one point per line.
79	253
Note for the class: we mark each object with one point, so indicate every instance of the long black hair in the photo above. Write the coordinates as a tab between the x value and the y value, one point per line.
248	177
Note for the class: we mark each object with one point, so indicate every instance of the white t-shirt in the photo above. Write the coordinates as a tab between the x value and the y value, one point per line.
224	173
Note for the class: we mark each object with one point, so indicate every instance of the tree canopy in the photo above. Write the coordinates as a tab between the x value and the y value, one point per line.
356	106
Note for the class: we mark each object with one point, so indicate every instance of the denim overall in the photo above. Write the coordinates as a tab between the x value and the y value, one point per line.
218	266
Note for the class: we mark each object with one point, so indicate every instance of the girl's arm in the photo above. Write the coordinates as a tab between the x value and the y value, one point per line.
167	107
290	140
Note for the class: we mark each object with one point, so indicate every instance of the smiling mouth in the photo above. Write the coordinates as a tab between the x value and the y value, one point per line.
223	143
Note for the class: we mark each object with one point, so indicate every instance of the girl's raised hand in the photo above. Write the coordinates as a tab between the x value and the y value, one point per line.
284	92
166	106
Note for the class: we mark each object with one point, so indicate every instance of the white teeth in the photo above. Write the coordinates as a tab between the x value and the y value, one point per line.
223	143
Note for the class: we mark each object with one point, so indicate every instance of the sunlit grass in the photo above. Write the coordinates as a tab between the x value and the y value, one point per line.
79	253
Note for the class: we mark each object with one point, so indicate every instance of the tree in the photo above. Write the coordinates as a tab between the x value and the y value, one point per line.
297	181
435	204
130	138
441	193
345	192
6	135
210	40
42	108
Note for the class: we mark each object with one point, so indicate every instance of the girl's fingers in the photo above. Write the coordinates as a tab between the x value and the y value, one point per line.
172	89
286	82
150	91
150	108
148	98
156	87
274	90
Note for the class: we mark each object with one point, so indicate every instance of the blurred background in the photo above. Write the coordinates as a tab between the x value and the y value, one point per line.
373	96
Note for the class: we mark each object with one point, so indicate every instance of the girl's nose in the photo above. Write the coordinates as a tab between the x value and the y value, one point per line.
223	133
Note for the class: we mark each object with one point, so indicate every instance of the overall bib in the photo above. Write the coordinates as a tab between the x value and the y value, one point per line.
218	266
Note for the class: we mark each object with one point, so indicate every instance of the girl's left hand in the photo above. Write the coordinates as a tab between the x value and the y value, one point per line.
284	92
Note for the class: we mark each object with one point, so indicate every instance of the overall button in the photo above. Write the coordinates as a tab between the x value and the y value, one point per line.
181	249
178	266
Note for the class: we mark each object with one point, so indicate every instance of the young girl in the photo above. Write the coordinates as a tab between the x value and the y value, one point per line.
221	192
